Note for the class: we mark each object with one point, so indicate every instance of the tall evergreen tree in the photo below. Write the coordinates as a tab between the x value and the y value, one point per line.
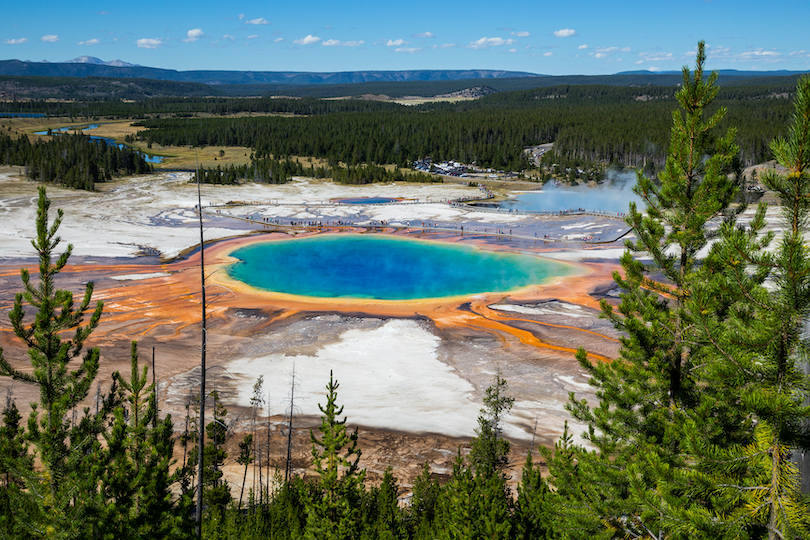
132	477
532	517
333	509
79	487
477	501
645	394
753	304
62	446
489	453
422	511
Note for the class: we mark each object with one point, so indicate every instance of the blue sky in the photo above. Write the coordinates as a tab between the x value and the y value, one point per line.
563	37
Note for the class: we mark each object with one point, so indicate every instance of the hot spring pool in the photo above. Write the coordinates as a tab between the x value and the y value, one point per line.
385	268
607	199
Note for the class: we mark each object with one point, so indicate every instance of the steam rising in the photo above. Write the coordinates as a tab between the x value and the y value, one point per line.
613	196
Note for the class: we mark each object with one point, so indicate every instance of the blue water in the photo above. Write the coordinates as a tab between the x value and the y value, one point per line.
384	268
602	199
147	157
21	115
367	200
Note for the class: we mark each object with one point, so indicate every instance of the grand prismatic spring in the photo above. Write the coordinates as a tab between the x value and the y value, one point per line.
385	268
413	352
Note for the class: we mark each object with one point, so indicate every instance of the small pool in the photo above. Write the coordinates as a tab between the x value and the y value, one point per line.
385	268
367	200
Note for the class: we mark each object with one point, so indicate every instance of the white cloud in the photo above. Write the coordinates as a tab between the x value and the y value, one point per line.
278	40
396	43
604	52
548	54
522	33
259	21
798	54
409	50
656	57
94	41
485	42
241	16
512	51
194	35
253	36
583	47
565	32
150	43
338	43
229	37
727	54
423	35
760	55
15	41
444	46
309	40
50	38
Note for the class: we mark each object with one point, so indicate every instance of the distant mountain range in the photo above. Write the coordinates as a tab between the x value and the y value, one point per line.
88	66
87	77
95	61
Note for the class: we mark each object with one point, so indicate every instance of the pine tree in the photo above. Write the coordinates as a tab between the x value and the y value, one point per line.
422	510
753	305
81	487
388	519
477	502
532	520
133	477
63	447
245	458
15	464
645	395
489	454
333	509
216	491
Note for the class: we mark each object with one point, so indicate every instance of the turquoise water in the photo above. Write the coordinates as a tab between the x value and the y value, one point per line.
385	268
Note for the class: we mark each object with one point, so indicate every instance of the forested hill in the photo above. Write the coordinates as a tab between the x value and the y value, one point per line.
95	88
588	124
331	84
48	69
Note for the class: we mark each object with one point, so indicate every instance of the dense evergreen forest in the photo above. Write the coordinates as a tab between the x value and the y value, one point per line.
94	88
275	171
589	125
71	160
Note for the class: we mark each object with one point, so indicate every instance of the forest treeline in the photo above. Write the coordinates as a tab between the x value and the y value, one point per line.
268	170
94	89
71	160
589	125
